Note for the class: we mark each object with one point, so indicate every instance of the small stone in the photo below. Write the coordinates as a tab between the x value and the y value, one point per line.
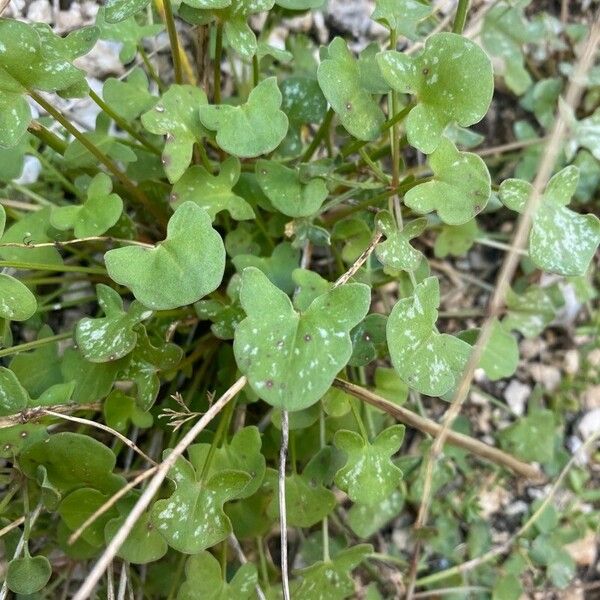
547	375
585	550
531	347
516	394
591	397
40	11
594	357
589	424
572	362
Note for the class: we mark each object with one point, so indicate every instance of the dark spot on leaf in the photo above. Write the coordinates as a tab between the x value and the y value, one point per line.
477	208
425	71
280	344
263	171
269	383
307	337
173	197
170	137
348	106
23	434
367	336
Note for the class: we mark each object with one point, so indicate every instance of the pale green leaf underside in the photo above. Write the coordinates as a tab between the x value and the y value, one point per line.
17	301
291	359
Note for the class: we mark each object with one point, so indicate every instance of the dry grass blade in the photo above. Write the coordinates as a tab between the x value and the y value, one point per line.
144	500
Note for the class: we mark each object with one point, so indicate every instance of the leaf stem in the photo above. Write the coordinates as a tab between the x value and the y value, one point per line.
17	264
255	71
173	40
460	17
35	344
122	123
103	158
47	137
319	136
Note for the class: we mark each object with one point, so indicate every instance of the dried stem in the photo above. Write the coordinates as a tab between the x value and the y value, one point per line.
144	500
37	412
359	262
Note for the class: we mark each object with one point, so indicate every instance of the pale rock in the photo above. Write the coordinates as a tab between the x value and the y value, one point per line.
589	424
547	375
31	171
531	347
572	361
516	394
39	11
516	508
594	357
493	500
68	20
591	397
585	550
103	60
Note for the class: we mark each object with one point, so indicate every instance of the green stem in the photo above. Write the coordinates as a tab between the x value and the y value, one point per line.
461	16
217	63
219	434
103	158
319	136
30	194
173	40
381	176
16	264
359	421
122	123
255	71
47	137
264	570
50	167
150	67
35	344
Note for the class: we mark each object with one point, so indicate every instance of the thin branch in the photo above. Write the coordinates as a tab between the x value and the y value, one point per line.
37	412
507	271
432	428
12	526
359	262
144	500
103	427
59	244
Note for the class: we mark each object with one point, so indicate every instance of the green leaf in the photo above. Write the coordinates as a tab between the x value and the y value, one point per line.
368	340
28	575
204	580
176	117
144	544
124	29
251	129
390	386
93	467
287	193
192	518
119	10
452	79
456	240
501	354
129	98
178	271
113	336
278	267
300	4
97	215
15	115
507	587
309	286
13	396
561	241
369	474
427	361
366	520
120	409
78	506
585	134
211	192
504	34
278	348
17	302
401	16
340	80
459	190
531	438
396	252
331	579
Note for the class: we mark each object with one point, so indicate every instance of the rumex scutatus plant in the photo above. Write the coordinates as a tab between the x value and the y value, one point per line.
221	308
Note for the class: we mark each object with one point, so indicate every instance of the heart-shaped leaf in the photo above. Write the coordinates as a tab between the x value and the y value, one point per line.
401	16
459	190
113	336
251	129
120	410
204	579
119	10
331	579
369	474
561	240
17	302
97	215
287	193
452	79
211	192
28	575
13	396
340	79
366	520
176	117
368	340
129	98
192	518
180	270
278	348
396	252
427	361
456	240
